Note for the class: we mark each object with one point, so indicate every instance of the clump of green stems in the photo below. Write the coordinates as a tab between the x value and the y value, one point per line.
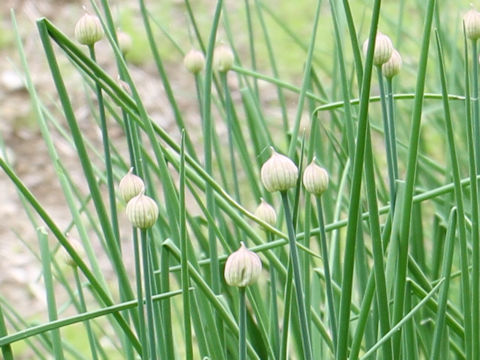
387	260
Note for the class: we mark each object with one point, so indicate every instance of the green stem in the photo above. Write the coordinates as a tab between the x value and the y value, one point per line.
391	127
141	306
102	312
326	270
208	132
147	283
287	305
354	209
307	347
229	112
108	157
83	308
388	139
305	82
85	162
166	308
94	282
50	291
378	254
6	349
184	259
194	24
273	63
467	306
400	282
443	296
242	343
164	77
475	161
274	330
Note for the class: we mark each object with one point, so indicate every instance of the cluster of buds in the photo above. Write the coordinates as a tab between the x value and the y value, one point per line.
385	55
279	173
88	31
223	59
142	211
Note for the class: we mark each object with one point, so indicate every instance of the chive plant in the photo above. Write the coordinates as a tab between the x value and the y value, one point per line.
383	264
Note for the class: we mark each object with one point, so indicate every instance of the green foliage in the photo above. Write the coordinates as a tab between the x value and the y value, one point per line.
384	264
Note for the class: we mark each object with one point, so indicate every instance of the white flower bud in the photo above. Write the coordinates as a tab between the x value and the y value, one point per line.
88	30
142	211
266	212
130	186
472	24
383	49
279	173
124	42
243	267
194	61
223	58
315	179
393	65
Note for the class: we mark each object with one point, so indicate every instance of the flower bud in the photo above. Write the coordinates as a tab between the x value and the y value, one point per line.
142	211
243	267
315	179
194	61
266	212
124	42
383	49
88	30
279	173
130	186
223	58
393	65
472	24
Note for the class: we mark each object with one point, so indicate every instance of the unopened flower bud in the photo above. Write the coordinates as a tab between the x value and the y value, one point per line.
223	58
142	211
279	173
130	186
194	61
88	30
472	24
243	267
393	65
124	42
315	179
383	49
266	212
